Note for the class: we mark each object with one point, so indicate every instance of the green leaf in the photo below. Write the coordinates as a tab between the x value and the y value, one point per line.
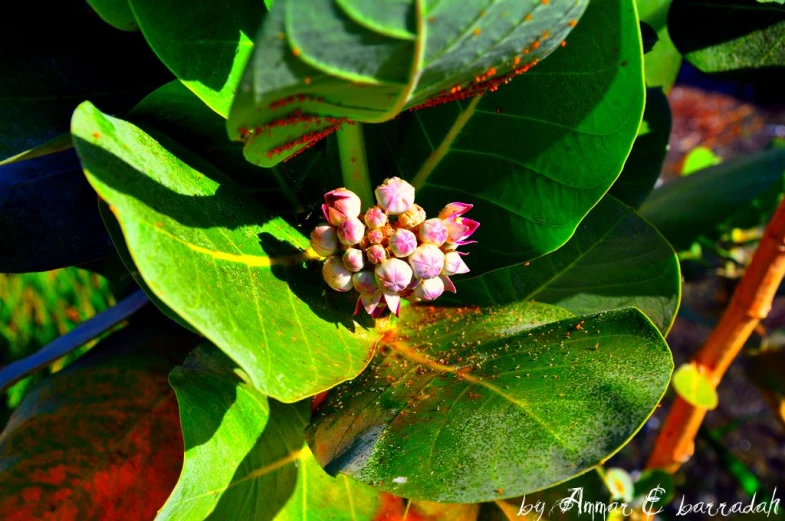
717	198
73	56
115	12
694	387
699	158
100	439
179	113
116	233
318	63
216	257
206	44
58	144
49	218
614	260
645	161
461	403
663	62
535	156
246	458
738	38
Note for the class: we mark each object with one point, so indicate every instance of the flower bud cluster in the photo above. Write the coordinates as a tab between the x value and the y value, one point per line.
392	250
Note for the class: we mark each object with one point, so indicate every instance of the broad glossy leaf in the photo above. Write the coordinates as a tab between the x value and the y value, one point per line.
318	63
48	215
535	156
205	44
100	439
118	240
717	198
467	405
663	62
115	12
433	511
740	38
72	56
180	114
614	260
246	459
221	262
699	158
645	161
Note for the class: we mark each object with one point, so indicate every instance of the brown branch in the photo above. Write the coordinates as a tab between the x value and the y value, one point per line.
750	304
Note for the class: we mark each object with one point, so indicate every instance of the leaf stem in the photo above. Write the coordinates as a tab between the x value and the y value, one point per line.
749	305
78	336
354	162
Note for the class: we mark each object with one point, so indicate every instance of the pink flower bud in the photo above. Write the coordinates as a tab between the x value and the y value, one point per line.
429	289
395	195
365	282
459	229
448	285
353	260
369	301
453	264
376	254
375	218
340	204
334	273
324	240
375	236
433	231
393	275
402	243
351	231
455	210
393	302
427	261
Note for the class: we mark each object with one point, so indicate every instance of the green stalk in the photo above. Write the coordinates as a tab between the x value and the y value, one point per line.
354	162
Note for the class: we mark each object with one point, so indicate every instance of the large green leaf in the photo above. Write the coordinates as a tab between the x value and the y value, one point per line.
70	55
100	439
735	193
663	62
470	405
318	63
180	114
115	12
205	44
614	260
246	459
220	261
743	38
535	156
644	165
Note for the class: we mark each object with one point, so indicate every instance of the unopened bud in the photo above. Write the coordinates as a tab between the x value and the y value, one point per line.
375	236
454	210
395	196
412	218
403	242
376	254
429	289
353	260
375	218
427	261
393	275
336	275
343	201
324	240
433	231
351	231
365	282
453	264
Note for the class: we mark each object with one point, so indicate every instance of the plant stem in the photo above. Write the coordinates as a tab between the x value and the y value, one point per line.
354	162
750	304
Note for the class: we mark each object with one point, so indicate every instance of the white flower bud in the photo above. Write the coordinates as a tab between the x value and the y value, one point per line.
336	275
324	240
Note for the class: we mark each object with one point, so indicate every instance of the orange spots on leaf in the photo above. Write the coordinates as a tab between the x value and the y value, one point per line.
431	19
546	34
528	18
96	135
545	2
573	22
563	43
296	51
516	61
307	80
477	31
